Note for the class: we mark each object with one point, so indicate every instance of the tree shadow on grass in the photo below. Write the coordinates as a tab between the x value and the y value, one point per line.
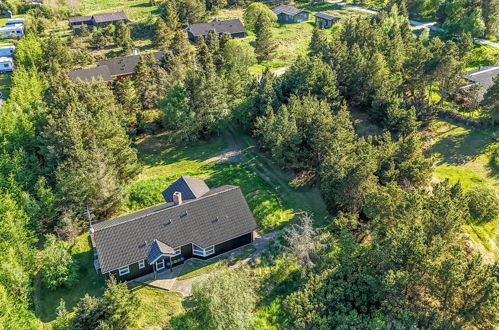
459	147
162	149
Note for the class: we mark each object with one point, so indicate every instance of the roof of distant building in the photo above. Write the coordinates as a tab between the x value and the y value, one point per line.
127	64
91	74
232	26
288	10
325	16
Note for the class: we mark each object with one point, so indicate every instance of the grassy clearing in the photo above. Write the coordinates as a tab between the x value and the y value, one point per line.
464	156
156	306
136	10
482	55
193	267
164	163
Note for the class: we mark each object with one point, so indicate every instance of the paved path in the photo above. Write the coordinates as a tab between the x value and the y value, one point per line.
417	25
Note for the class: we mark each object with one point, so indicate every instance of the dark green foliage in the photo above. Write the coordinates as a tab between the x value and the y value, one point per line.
254	10
126	95
483	202
87	149
116	309
179	12
415	248
224	300
63	320
123	37
264	45
491	101
162	33
58	268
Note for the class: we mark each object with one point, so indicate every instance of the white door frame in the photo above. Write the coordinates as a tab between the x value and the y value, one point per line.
162	263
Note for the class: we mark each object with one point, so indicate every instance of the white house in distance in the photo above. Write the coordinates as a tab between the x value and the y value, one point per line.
6	64
12	31
7	50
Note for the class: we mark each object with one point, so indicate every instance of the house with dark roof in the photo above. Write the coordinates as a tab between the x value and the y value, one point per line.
288	14
91	74
234	27
195	221
125	66
324	20
97	20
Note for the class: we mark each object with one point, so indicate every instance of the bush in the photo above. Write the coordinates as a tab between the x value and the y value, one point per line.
58	267
483	202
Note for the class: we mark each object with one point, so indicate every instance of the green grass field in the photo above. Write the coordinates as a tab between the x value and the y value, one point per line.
5	83
136	10
464	156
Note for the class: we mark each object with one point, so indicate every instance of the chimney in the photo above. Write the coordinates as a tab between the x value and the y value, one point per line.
135	51
177	198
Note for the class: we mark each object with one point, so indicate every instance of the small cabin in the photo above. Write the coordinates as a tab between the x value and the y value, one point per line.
7	50
325	21
6	64
290	15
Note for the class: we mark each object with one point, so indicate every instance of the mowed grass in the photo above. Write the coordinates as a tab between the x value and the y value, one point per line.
136	10
165	161
464	156
157	306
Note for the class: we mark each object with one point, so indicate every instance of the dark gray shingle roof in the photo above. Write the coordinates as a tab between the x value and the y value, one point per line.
288	10
230	26
78	19
189	187
205	221
91	74
157	249
126	64
483	76
110	17
326	16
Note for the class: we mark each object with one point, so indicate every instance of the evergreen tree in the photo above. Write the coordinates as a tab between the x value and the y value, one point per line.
126	95
319	45
162	34
264	45
169	14
254	10
491	101
123	37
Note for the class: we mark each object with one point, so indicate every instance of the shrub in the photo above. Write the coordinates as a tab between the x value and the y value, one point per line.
58	267
483	202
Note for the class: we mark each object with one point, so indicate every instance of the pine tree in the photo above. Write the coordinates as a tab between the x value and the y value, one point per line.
162	34
169	13
264	45
319	45
491	101
123	37
126	95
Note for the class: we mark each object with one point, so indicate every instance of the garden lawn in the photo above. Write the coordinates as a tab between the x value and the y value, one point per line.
136	10
157	306
464	156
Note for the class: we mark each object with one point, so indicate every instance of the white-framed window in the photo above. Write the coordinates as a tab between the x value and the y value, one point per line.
177	251
124	270
199	251
142	264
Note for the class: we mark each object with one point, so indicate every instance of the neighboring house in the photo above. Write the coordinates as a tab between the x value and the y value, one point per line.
195	222
14	21
234	27
288	14
97	20
324	20
11	31
7	50
122	67
6	64
100	73
483	78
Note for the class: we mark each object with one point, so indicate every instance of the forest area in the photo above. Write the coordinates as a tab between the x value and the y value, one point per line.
374	229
